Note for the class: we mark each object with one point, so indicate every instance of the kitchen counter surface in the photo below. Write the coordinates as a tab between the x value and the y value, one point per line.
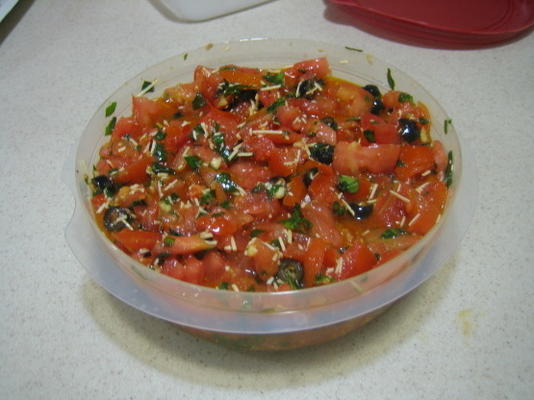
466	333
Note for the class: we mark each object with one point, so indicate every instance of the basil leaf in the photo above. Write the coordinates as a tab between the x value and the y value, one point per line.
194	162
297	222
393	233
348	184
111	108
199	101
391	82
110	126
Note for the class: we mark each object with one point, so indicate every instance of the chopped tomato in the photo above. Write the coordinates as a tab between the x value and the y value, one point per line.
244	76
147	112
136	240
314	259
283	161
126	126
135	172
357	259
381	131
430	205
182	244
414	160
350	158
296	190
248	174
265	259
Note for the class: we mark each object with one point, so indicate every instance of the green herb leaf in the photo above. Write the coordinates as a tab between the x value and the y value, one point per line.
277	103
220	147
423	121
207	197
185	56
194	162
146	85
405	98
226	182
111	108
338	209
348	184
160	135
275	79
446	124
228	89
168	241
223	286
256	232
449	171
159	152
354	49
297	222
321	279
110	126
393	233
158	168
369	135
199	101
391	82
226	204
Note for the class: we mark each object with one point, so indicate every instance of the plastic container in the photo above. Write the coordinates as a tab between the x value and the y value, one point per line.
262	321
200	10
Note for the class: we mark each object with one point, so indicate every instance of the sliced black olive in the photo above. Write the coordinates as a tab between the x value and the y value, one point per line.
377	106
373	90
291	271
117	218
242	96
309	175
322	152
409	130
361	211
102	183
307	88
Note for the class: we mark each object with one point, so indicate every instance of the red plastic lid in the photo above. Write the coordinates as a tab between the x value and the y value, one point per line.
450	22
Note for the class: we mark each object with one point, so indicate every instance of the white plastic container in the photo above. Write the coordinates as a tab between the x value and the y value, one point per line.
199	10
281	320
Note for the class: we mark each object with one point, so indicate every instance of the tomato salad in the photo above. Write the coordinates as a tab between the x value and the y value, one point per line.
253	179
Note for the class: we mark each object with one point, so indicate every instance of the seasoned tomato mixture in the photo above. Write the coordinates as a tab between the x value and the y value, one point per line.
251	179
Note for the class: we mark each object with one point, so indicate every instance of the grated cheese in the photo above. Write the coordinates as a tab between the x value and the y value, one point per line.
399	196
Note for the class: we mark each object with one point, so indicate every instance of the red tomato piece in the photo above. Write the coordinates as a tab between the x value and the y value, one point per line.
176	245
323	223
248	174
313	261
265	259
147	112
414	160
357	259
134	172
283	161
136	240
430	205
349	158
126	126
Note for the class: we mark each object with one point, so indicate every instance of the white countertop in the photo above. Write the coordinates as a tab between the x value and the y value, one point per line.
466	333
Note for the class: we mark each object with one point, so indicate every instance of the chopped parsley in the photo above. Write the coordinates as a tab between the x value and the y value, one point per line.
338	209
348	184
369	135
297	222
159	152
110	126
256	232
199	101
111	109
275	79
277	103
393	233
449	169
353	49
147	87
446	124
160	135
168	241
391	81
405	98
321	279
207	197
223	286
194	162
226	182
158	168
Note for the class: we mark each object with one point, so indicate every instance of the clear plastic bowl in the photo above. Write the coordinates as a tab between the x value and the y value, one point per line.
266	321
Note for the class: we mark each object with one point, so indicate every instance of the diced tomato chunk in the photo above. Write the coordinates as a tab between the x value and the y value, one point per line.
136	240
357	259
414	160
